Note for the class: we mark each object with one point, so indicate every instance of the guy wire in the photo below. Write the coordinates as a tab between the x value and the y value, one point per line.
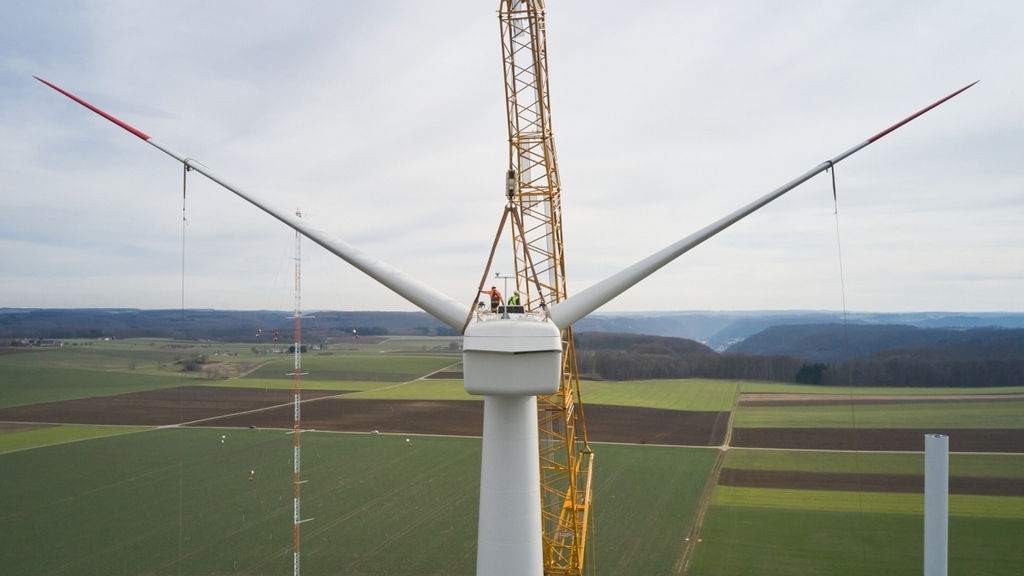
848	363
181	389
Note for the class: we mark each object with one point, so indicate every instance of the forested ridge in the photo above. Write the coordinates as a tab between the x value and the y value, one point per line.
930	358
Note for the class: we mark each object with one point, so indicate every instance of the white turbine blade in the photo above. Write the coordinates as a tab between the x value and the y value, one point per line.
427	298
574	308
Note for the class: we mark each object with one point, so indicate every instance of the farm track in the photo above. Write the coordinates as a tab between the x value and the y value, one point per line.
693	536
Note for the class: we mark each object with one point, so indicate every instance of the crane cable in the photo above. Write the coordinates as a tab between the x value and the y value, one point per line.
181	389
848	362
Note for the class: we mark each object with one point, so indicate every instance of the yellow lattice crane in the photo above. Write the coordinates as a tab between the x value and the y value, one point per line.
534	192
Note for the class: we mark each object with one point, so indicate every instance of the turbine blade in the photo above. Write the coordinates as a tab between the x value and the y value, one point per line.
427	298
574	308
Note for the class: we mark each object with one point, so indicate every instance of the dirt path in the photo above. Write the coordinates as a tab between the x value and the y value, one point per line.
693	536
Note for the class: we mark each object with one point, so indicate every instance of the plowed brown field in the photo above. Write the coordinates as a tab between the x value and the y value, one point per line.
244	407
155	407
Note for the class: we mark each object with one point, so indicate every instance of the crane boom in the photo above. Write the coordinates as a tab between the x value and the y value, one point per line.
534	189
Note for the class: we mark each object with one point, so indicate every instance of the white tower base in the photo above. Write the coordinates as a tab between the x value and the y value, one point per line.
510	362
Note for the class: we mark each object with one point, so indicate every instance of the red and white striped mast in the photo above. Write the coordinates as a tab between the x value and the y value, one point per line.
296	430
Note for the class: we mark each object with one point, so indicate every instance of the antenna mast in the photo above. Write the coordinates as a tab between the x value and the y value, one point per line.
296	431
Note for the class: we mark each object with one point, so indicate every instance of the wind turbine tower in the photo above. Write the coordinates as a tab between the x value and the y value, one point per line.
510	361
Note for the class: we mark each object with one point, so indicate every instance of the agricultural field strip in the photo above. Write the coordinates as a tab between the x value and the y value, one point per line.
779	388
418	390
142	360
53	435
313	530
51	384
700	396
387	369
401	384
989	465
981	415
687	395
862	452
768	399
749	541
253	411
865	502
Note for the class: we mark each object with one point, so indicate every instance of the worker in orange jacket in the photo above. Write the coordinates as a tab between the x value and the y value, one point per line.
495	296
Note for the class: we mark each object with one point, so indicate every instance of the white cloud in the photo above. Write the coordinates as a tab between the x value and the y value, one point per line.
385	123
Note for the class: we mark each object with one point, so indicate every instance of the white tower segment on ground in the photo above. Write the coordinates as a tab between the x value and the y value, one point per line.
936	505
508	361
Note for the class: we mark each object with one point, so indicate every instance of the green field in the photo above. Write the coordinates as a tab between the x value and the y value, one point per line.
780	388
368	367
645	499
20	385
695	395
988	465
121	500
146	356
179	501
741	541
1004	414
869	502
48	435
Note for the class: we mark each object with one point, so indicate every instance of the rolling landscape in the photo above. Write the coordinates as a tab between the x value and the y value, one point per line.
115	459
138	437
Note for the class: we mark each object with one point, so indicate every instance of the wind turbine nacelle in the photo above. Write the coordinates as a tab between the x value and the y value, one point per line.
519	356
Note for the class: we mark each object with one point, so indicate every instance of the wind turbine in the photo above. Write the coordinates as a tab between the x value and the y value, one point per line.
509	359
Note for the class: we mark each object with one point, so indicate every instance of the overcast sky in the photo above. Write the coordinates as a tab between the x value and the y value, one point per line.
384	123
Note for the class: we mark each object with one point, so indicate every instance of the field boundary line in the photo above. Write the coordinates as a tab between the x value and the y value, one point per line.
243	412
400	384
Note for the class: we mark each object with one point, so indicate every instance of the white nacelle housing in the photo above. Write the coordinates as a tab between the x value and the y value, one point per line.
518	356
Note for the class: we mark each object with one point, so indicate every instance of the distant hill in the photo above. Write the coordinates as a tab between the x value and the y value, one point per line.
720	330
893	355
640	344
832	343
611	356
228	325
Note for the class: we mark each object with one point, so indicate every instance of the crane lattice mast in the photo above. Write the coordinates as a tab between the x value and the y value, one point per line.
534	190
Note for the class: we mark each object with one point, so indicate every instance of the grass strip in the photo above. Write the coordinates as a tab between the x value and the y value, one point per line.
976	465
59	434
22	385
690	395
780	388
987	415
868	502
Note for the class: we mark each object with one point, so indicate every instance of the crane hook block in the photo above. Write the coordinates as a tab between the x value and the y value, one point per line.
511	184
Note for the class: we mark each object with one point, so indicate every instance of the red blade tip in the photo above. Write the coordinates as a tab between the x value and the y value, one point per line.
124	125
909	118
